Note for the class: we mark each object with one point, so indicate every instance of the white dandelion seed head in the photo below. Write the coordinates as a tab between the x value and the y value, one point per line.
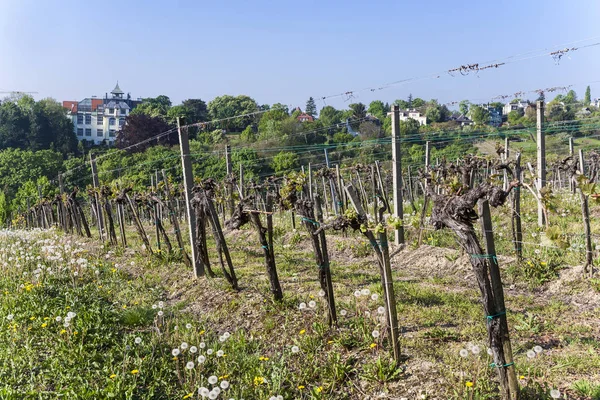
224	384
175	352
537	251
381	310
71	315
220	353
212	395
279	397
58	319
201	359
312	304
302	306
365	292
470	345
217	390
190	365
375	334
531	354
367	313
202	391
161	304
555	393
463	353
154	306
227	335
321	293
533	234
10	317
538	349
160	313
66	324
212	379
193	349
357	293
202	345
183	346
475	350
188	326
343	313
222	338
209	351
138	340
374	297
295	349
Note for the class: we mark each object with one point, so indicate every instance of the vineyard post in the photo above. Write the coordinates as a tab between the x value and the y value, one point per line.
98	208
508	380
518	233
241	185
335	208
310	181
340	188
174	220
374	188
27	220
541	158
229	175
506	155
581	162
427	156
571	153
188	183
397	176
61	207
154	184
43	212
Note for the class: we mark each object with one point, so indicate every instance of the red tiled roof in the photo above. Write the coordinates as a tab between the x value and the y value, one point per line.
305	117
70	105
96	103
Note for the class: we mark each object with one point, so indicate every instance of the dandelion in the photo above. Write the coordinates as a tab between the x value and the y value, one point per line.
475	350
222	339
10	317
365	292
374	297
161	304
538	349
279	397
201	359
209	351
63	331
463	353
183	346
258	380
312	304
381	310
154	306
71	315
138	340
175	352
212	379
44	325
193	349
66	324
302	306
321	293
343	313
533	234
190	365
537	251
217	390
295	349
227	335
373	345
555	393
202	391
469	384
375	334
160	313
220	353
113	376
300	387
319	389
522	377
224	384
135	371
357	293
188	396
202	345
302	332
212	395
531	354
188	326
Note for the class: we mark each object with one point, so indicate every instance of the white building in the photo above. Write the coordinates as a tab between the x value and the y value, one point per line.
98	120
520	105
413	114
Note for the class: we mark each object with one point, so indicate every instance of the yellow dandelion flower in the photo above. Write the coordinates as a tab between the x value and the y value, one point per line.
319	389
124	306
75	333
63	331
135	372
469	384
300	387
32	318
113	376
46	318
202	332
522	377
223	377
329	341
44	325
258	380
261	358
303	331
373	345
188	396
113	270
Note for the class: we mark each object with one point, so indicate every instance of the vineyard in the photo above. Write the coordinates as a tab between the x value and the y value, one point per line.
469	277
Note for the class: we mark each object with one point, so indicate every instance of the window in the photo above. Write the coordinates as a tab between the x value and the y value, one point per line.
88	132
111	121
100	120
111	133
111	111
99	132
80	118
79	131
121	121
123	111
88	119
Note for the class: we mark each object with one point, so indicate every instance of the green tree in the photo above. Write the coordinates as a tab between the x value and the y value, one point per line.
417	102
409	102
248	134
463	107
153	107
359	110
588	96
311	107
285	161
570	98
4	209
227	106
378	109
14	126
249	159
196	110
403	104
329	116
479	115
514	116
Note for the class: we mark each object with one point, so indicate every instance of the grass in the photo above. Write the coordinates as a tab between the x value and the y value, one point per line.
115	295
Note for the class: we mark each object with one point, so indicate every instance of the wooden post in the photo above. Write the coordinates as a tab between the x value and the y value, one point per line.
99	217
171	209
310	181
427	156
581	162
509	385
506	154
516	217
61	204
541	158
397	176
230	176
241	183
340	200
188	184
571	147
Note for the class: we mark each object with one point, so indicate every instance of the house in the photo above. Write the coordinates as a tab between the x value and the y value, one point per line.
516	106
495	115
461	119
413	114
304	117
596	103
98	120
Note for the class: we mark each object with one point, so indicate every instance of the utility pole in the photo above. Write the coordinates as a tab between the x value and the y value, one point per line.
397	176
188	184
541	158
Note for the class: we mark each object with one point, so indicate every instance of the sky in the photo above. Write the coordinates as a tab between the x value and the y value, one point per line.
285	52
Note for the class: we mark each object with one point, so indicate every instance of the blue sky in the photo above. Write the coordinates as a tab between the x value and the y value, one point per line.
283	51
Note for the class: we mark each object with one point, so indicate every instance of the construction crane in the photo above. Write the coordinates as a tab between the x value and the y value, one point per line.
17	92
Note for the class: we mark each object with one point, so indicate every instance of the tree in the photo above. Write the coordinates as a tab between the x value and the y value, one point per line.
359	110
311	107
14	126
180	112
409	102
588	96
141	127
248	134
227	106
154	107
285	161
514	116
403	104
369	130
378	109
63	135
479	115
329	116
570	98
433	114
463	107
282	107
197	110
417	102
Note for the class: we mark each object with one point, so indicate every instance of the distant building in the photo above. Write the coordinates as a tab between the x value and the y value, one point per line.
495	115
461	119
520	105
99	120
413	114
304	117
596	103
